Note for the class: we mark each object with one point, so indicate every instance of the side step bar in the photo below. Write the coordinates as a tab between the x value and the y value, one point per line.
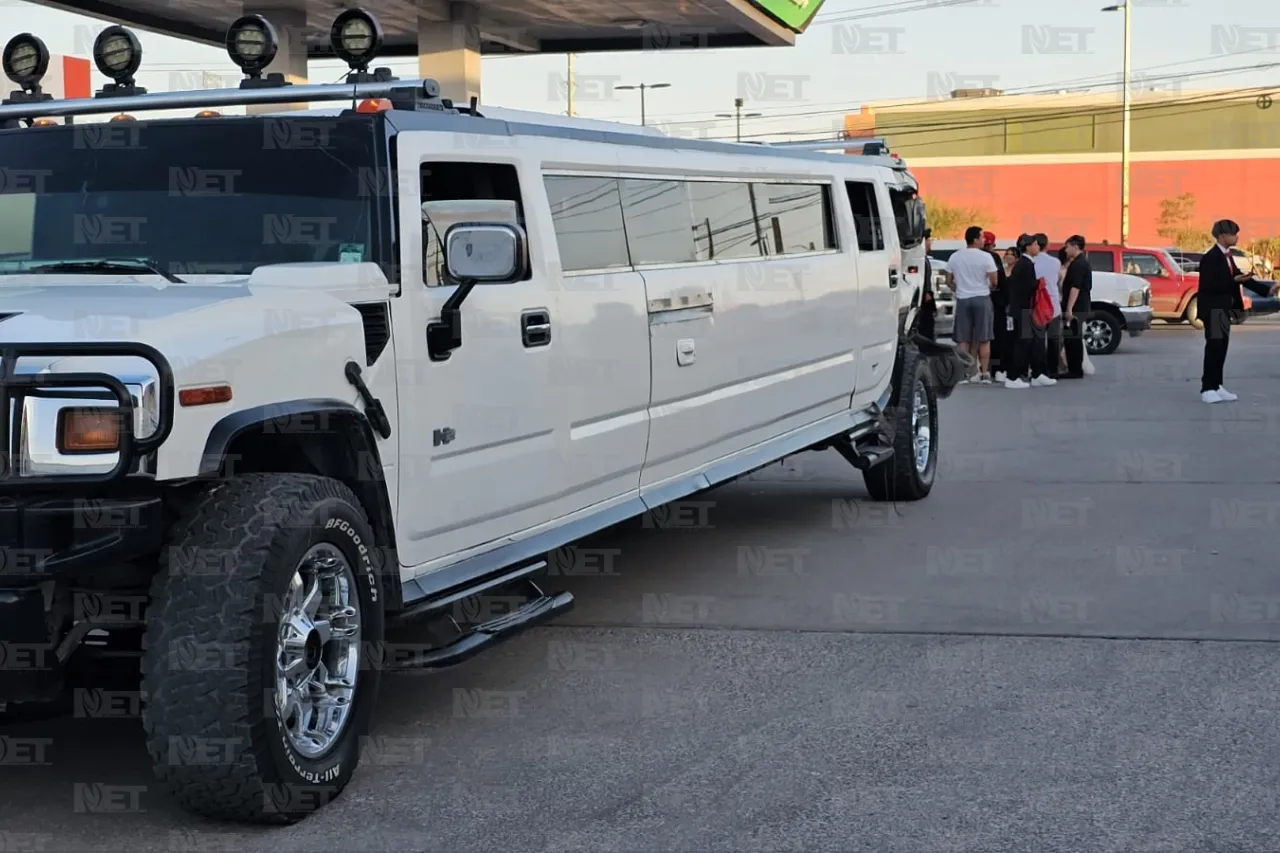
540	608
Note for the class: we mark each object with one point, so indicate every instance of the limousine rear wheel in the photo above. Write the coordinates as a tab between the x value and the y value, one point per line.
262	649
912	417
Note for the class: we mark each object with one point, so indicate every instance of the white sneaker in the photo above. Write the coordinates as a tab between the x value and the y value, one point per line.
1210	397
984	379
1000	377
1227	396
1043	381
1015	383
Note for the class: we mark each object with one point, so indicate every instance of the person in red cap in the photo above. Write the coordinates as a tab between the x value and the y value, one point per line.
1002	334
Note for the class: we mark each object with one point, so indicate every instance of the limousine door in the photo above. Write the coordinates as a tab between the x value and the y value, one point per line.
879	278
477	438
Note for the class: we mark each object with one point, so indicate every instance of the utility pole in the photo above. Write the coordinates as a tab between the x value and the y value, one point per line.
572	84
642	87
1127	8
738	116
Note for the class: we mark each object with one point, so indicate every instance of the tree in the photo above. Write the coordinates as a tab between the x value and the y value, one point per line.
1177	223
948	222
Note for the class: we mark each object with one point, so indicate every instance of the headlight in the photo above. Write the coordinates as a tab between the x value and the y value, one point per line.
1137	298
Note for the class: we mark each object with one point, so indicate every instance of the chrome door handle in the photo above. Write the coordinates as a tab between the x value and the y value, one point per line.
535	327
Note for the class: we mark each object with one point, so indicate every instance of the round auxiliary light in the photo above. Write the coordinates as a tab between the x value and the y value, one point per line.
355	38
26	60
252	43
117	53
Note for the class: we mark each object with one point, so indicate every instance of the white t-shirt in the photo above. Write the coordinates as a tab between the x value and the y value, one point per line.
970	268
1047	268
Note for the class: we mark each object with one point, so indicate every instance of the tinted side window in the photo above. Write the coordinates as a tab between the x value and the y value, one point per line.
898	199
659	221
723	227
587	213
866	215
1102	261
1135	263
794	218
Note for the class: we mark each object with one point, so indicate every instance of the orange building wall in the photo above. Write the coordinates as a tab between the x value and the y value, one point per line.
1061	199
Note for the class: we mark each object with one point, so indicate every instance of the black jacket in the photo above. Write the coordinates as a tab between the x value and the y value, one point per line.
1079	276
1000	295
1022	284
1218	287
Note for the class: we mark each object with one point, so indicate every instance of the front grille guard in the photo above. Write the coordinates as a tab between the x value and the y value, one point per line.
15	388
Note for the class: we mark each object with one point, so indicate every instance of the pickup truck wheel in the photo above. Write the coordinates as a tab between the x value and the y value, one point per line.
261	657
1102	332
1192	314
908	474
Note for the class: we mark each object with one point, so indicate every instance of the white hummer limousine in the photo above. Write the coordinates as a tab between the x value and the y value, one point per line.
278	381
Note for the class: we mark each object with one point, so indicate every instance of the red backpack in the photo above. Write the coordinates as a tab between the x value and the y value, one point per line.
1042	305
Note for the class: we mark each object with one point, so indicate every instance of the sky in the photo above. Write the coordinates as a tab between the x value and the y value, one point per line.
853	53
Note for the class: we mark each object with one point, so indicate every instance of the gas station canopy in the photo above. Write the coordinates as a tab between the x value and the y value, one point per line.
504	26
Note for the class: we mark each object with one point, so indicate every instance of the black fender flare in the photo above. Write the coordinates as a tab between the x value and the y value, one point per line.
362	471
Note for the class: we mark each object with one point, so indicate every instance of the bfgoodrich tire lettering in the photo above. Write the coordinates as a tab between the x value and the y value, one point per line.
914	403
210	650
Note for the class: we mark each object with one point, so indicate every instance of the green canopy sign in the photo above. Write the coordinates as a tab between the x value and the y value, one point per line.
795	14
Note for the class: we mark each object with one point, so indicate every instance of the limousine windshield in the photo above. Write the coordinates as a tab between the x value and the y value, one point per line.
216	196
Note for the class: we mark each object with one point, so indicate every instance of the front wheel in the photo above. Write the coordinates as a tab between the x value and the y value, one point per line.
1102	333
1192	314
261	654
912	414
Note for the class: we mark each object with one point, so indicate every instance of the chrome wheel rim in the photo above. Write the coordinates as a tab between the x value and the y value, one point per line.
921	427
318	651
1097	335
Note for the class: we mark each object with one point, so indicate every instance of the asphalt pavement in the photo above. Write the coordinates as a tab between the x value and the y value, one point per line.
1070	646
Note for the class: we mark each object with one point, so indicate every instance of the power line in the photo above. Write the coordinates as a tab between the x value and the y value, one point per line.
1095	81
1034	115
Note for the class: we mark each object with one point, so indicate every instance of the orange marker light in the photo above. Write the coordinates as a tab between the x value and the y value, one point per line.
208	114
123	117
374	105
89	430
44	122
206	396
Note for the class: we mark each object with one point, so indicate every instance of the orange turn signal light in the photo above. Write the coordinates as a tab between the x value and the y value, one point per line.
206	396
374	105
89	430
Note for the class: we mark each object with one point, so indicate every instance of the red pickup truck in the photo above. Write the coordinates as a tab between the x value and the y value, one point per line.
1173	292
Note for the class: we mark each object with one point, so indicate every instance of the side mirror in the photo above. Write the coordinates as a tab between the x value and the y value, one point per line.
474	253
484	253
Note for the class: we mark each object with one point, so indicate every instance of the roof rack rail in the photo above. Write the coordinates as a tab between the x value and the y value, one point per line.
404	94
868	147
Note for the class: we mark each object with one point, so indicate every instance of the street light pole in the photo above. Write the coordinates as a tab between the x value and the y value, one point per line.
1127	8
738	116
571	85
642	87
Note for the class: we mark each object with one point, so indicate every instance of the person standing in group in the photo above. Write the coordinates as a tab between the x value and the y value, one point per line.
1218	294
1077	291
1028	340
971	272
928	307
1002	329
1049	270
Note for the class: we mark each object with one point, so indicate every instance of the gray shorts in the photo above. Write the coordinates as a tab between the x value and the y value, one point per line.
975	317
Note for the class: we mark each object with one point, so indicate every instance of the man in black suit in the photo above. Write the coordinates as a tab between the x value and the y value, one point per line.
1077	296
928	307
1218	296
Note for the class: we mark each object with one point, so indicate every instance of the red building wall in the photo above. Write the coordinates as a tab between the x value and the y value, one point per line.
1063	198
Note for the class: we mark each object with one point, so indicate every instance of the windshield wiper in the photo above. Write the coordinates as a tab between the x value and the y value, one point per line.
108	265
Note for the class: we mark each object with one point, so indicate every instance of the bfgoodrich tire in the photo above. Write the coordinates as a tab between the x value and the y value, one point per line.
912	417
259	673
